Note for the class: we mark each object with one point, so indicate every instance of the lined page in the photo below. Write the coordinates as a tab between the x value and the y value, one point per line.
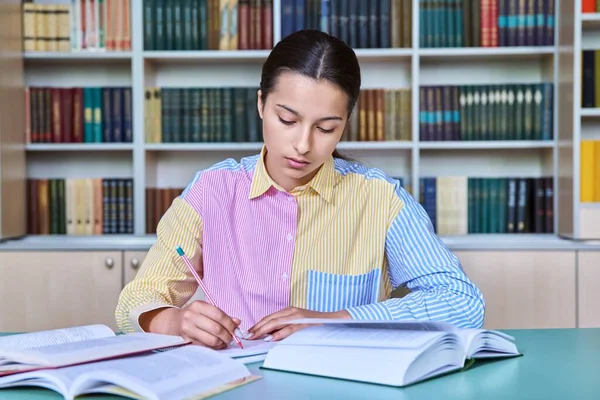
343	336
33	340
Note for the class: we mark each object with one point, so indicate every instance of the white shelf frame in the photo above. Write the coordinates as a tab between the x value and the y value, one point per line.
140	60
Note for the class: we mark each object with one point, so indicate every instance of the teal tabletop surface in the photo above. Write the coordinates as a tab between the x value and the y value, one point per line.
557	364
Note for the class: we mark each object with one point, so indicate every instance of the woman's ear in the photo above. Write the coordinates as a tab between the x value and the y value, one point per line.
259	104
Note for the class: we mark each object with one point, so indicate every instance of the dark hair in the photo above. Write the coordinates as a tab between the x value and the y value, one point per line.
316	55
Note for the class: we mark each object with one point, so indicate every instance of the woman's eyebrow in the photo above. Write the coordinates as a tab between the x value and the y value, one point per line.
299	115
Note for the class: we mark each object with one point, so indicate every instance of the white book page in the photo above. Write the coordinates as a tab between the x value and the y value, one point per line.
178	373
340	335
32	340
251	348
68	353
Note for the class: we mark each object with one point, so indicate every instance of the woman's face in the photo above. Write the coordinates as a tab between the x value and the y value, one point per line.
303	121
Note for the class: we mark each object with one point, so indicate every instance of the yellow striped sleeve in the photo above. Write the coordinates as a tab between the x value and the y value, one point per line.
163	279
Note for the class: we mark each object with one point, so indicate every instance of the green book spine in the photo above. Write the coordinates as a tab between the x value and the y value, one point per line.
186	21
491	112
467	23
227	113
520	113
203	24
166	114
450	17
485	207
528	112
194	24
196	115
503	113
493	205
88	116
177	115
538	111
169	19
186	115
478	114
98	130
423	28
470	205
206	126
239	118
252	115
218	134
178	20
149	24
160	26
53	206
458	23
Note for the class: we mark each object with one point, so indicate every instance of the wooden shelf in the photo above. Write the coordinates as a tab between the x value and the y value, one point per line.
395	145
78	56
79	147
486	53
491	145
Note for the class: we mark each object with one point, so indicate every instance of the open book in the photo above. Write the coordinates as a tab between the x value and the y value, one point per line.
395	353
75	345
181	373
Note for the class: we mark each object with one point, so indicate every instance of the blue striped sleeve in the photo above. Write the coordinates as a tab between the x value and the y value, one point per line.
418	259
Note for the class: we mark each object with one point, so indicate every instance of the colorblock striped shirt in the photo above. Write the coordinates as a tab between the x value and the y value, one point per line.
343	241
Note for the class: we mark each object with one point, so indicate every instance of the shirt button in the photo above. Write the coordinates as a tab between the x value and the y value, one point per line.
290	198
289	237
284	276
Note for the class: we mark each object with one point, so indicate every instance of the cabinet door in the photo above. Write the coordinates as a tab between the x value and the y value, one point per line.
524	289
588	296
47	290
133	262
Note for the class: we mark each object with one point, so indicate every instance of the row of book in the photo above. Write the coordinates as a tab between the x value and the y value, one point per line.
208	24
78	115
80	206
589	173
184	115
380	114
460	205
361	24
590	78
486	23
228	114
80	25
486	112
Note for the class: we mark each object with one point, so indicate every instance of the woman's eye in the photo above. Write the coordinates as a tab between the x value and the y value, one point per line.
326	130
283	121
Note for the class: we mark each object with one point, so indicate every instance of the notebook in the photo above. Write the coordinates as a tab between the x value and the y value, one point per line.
181	373
75	345
394	353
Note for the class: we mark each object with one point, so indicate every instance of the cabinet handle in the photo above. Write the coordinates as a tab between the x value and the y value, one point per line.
135	264
109	263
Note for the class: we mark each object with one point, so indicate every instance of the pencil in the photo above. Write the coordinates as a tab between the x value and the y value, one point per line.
206	292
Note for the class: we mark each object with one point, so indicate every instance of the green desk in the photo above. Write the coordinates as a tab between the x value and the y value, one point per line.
558	364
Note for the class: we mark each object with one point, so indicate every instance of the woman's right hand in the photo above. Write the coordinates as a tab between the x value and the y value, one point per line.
199	322
206	325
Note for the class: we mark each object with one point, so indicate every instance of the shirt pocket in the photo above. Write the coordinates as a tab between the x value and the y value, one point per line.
333	292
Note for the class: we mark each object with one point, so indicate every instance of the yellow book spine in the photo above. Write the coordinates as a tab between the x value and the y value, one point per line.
586	173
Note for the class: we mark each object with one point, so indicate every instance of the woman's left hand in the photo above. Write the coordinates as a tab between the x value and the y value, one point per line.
275	326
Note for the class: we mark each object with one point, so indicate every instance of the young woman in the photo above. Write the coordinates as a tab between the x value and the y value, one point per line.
296	231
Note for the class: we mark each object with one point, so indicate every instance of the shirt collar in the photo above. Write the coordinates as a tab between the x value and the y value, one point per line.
322	183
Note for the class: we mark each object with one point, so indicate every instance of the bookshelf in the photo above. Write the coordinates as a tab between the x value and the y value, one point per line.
412	67
579	209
